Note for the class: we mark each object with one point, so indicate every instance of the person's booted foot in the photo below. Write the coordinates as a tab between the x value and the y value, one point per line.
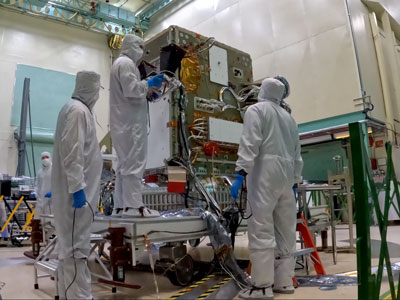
143	212
261	293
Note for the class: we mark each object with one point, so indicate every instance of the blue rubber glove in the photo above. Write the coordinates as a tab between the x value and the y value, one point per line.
79	199
156	80
48	195
237	184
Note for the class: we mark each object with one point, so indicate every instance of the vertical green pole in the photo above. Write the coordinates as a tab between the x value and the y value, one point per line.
366	284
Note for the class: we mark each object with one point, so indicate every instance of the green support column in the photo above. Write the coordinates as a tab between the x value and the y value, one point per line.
366	283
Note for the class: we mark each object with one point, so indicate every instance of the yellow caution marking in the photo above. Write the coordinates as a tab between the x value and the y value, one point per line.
214	288
12	213
351	274
197	284
29	216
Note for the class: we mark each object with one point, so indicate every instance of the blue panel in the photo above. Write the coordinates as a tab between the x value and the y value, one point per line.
49	91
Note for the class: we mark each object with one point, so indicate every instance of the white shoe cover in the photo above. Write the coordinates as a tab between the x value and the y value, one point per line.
117	213
140	212
284	289
131	213
257	293
149	213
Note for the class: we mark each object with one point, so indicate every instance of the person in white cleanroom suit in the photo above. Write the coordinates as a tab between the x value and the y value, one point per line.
269	154
128	124
43	187
75	182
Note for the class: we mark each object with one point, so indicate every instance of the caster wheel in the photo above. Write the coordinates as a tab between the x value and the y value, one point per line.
183	272
36	286
114	290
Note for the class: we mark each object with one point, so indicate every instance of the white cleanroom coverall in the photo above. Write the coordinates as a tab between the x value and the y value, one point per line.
269	152
128	123
43	186
77	165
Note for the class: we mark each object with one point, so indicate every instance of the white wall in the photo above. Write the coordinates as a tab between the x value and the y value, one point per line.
367	56
393	8
32	41
308	41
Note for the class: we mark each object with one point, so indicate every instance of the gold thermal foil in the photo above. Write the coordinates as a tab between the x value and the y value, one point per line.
190	73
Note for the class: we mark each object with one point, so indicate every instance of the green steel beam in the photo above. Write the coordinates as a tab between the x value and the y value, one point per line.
366	282
364	190
384	252
331	122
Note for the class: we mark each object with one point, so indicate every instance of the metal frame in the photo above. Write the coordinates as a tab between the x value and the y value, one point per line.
302	190
366	191
153	230
47	262
71	15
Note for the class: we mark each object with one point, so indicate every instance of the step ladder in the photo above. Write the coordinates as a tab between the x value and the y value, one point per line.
47	264
309	244
310	249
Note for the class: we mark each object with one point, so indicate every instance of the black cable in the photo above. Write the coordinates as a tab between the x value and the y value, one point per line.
241	210
91	209
30	126
192	198
73	255
73	247
186	195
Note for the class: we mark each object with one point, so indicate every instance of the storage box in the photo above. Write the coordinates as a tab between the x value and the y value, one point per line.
176	179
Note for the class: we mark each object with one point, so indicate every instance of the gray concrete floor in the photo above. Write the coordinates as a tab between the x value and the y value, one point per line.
16	272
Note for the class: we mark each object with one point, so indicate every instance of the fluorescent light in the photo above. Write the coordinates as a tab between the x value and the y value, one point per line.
317	139
346	134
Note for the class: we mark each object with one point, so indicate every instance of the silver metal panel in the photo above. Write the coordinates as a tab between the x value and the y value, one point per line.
218	65
159	137
224	131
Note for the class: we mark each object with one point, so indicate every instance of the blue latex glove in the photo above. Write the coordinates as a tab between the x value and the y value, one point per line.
79	199
48	195
156	80
237	184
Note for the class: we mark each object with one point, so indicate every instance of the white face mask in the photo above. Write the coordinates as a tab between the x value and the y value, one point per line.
46	162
